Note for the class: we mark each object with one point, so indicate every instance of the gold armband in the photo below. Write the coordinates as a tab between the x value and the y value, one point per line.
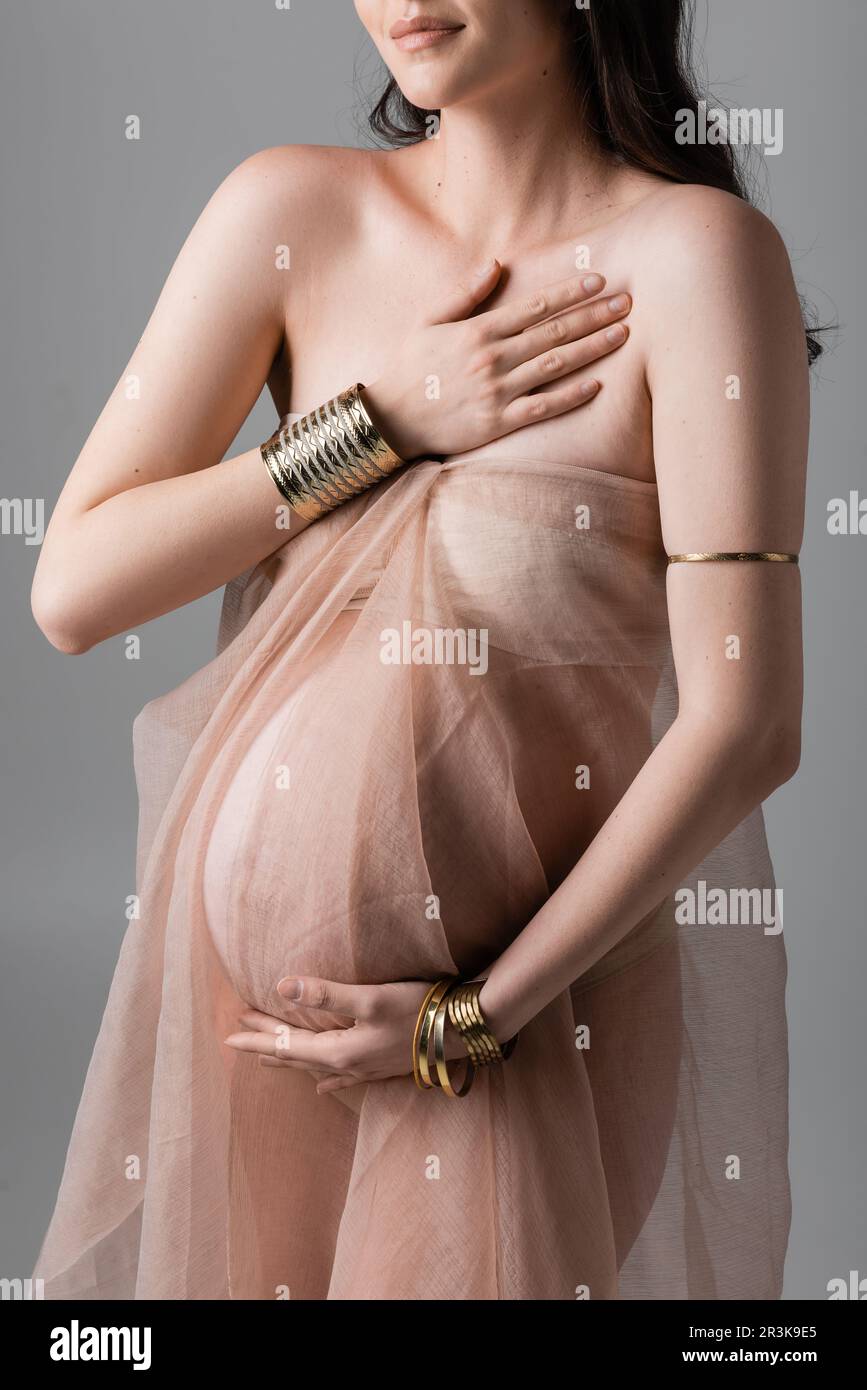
697	556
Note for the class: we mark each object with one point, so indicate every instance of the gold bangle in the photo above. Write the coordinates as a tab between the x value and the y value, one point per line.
456	1092
477	1052
328	456
423	1032
698	556
416	1068
480	1042
450	997
466	1014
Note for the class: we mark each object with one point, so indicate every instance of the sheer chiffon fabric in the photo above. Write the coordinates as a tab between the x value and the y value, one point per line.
316	801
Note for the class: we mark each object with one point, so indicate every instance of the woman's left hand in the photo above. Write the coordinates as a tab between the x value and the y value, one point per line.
375	1044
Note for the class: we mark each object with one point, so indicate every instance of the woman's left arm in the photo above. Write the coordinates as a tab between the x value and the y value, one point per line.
726	369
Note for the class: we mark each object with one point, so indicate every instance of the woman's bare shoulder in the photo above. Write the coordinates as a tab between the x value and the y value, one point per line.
306	196
687	230
720	315
312	161
295	171
701	255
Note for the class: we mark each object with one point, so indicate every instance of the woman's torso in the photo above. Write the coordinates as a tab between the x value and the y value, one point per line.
365	264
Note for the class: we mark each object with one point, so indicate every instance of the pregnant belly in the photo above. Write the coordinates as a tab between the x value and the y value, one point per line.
227	835
254	959
420	831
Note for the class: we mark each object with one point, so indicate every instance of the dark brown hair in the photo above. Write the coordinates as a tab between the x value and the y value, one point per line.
630	67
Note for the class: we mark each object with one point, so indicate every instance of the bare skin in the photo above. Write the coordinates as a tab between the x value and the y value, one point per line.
150	518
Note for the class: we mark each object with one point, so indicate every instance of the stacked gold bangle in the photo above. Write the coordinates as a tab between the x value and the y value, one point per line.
459	1001
328	456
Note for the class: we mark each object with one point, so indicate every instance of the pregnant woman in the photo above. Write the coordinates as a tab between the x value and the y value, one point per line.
458	972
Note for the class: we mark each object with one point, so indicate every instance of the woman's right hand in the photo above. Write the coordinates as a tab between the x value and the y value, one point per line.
457	383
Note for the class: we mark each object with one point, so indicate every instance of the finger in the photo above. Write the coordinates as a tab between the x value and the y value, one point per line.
291	1044
329	996
509	319
467	295
562	361
255	1022
545	405
566	328
274	1042
337	1083
319	1072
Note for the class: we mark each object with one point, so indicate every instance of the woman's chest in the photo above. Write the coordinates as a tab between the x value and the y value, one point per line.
349	315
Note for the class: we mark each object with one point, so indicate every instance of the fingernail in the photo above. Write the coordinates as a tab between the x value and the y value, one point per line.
485	269
616	334
592	283
618	303
589	388
290	989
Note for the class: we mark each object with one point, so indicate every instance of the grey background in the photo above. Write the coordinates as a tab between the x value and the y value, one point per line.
91	225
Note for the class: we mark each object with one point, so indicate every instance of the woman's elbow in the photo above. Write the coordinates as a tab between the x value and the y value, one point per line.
783	752
769	751
748	753
57	618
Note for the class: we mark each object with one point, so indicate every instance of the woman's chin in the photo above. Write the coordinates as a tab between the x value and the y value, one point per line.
433	92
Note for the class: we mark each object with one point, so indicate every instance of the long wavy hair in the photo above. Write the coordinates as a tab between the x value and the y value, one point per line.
630	64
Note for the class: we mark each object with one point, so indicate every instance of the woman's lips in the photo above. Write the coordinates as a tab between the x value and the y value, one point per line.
424	38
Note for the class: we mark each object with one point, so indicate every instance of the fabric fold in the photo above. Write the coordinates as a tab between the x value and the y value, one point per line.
420	712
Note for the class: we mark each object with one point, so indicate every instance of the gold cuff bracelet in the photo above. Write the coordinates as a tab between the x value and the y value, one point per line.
328	456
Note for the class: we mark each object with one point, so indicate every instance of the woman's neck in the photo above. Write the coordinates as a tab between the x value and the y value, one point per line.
514	171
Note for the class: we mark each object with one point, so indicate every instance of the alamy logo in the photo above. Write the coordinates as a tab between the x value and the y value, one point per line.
737	126
852	1288
439	646
847	516
77	1343
23	516
23	1290
730	907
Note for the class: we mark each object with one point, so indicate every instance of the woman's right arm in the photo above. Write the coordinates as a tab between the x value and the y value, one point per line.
150	518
